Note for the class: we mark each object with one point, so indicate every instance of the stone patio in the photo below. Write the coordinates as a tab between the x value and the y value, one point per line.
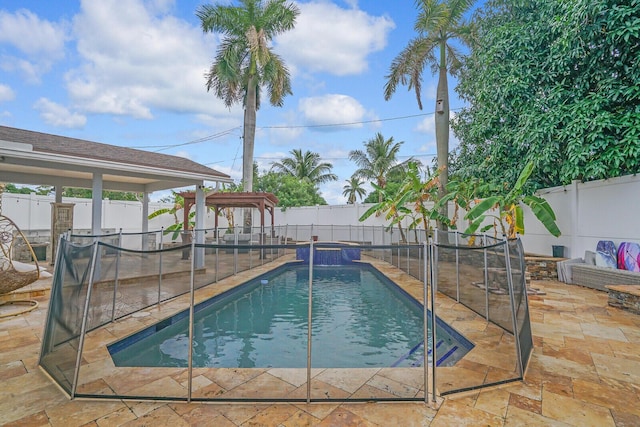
585	370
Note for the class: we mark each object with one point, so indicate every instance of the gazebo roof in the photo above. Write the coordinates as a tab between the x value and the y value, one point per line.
240	200
220	200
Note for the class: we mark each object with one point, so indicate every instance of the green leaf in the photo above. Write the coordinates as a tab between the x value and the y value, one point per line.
482	207
373	209
159	212
542	210
471	229
519	220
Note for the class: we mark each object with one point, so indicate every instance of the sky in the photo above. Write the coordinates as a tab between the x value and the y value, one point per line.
132	73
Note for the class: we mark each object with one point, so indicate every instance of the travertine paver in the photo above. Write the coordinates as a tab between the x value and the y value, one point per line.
585	370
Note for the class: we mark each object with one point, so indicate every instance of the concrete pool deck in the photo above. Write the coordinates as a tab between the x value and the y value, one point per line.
585	370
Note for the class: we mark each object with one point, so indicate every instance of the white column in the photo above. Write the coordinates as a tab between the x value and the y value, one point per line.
96	205
58	190
145	220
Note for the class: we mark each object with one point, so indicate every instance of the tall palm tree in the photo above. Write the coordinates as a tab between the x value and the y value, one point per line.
439	23
306	166
379	157
353	189
244	62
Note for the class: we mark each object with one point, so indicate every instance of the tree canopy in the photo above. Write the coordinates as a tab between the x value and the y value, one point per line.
289	190
306	166
553	82
378	159
80	193
353	190
245	62
440	24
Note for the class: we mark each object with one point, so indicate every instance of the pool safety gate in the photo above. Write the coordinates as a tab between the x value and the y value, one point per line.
107	287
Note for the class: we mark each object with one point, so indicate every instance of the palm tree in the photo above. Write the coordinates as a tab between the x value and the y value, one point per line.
379	157
244	62
353	189
439	23
306	166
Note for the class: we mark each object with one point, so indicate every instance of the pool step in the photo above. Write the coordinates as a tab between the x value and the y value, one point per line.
444	350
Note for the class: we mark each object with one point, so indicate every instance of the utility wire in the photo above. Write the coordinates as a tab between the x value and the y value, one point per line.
345	123
231	130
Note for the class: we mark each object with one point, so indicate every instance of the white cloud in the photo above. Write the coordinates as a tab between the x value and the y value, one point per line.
136	59
284	135
58	115
332	109
332	192
5	115
427	125
285	132
265	160
183	154
6	93
330	39
234	172
31	35
41	41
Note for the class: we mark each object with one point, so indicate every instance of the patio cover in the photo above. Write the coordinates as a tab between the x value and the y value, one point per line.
35	158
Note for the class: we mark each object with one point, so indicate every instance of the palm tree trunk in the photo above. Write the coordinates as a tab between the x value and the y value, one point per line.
248	140
442	135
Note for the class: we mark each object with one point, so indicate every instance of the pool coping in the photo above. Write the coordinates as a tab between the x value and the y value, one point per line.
154	328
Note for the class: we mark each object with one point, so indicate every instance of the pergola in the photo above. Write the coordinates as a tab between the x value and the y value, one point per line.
219	201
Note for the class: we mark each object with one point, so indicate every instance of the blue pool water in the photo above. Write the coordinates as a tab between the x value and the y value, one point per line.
360	319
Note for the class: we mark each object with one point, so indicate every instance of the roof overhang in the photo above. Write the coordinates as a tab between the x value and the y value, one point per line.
19	163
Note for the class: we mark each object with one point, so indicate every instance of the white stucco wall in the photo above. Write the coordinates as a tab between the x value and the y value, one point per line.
586	213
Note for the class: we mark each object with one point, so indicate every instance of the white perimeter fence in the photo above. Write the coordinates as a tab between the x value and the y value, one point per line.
586	212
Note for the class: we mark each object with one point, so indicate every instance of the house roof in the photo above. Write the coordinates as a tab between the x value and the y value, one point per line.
29	157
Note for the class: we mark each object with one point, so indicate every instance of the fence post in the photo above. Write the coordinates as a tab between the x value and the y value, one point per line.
217	252
435	260
160	263
486	277
434	288
457	267
425	325
83	327
514	318
191	320
115	280
309	316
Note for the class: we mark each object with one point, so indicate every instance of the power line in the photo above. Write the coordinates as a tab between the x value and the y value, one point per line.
229	131
206	138
195	141
407	156
345	123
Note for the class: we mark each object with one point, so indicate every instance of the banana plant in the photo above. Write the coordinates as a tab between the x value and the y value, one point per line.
510	216
419	199
389	206
178	226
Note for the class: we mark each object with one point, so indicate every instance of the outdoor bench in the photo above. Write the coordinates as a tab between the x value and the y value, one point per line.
596	277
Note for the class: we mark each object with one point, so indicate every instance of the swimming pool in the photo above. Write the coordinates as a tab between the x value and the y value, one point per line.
360	319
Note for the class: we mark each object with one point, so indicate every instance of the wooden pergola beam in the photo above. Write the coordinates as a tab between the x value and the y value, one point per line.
217	200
